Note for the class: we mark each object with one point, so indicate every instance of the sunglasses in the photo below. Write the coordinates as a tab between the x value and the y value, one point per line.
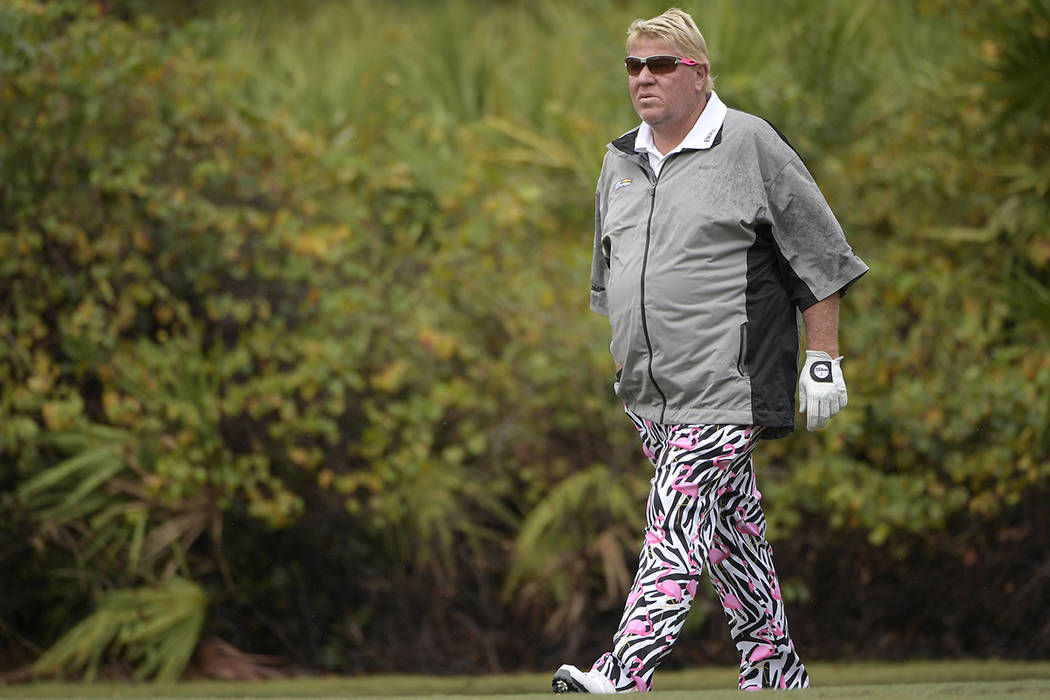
658	65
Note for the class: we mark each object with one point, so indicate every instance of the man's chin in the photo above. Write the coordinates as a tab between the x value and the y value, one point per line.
650	115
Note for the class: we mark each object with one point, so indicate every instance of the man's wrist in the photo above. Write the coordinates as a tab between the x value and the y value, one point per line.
831	350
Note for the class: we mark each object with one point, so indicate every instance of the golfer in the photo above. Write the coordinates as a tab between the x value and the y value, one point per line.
711	238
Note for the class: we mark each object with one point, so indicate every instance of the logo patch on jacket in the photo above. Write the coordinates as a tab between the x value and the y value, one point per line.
626	182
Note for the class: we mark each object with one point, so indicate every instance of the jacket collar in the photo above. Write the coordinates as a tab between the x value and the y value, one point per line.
626	142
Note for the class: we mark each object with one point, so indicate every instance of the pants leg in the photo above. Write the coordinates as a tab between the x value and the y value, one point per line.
741	568
693	469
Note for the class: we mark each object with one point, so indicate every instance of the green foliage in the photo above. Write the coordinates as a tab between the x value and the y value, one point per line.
154	629
125	226
116	517
595	507
220	324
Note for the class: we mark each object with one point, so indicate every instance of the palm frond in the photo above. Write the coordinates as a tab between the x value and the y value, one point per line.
576	513
156	629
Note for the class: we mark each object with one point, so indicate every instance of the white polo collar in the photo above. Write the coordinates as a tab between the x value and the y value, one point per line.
700	137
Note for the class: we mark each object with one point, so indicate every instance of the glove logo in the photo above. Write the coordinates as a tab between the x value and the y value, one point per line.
820	372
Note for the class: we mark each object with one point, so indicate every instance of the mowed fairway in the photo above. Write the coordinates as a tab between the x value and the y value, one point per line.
969	679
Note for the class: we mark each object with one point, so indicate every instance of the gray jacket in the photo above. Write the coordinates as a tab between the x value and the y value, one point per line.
701	271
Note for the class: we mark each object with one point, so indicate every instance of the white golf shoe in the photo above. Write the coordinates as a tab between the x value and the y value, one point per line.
569	679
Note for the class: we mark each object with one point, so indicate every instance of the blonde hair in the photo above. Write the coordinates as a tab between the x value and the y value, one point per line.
678	29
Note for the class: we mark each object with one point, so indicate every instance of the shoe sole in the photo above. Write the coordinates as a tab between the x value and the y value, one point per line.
564	683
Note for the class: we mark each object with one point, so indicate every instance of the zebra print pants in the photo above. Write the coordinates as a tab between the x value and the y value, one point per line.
703	508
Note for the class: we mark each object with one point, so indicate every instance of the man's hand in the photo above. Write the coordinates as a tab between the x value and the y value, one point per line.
821	389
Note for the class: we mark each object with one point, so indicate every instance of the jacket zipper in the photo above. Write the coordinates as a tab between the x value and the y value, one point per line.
645	325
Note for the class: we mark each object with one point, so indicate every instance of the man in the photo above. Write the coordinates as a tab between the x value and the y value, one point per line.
710	236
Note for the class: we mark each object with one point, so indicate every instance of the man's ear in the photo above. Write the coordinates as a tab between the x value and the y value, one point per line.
702	72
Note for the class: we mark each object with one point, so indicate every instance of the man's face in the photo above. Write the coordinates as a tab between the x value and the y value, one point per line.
665	100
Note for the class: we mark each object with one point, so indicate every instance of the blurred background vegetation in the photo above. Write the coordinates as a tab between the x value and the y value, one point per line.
295	354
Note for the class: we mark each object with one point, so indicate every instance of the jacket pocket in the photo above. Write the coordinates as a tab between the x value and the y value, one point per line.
741	358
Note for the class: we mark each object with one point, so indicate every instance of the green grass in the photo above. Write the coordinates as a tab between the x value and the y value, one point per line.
985	679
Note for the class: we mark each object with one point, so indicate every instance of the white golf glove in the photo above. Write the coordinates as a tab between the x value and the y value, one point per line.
821	389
